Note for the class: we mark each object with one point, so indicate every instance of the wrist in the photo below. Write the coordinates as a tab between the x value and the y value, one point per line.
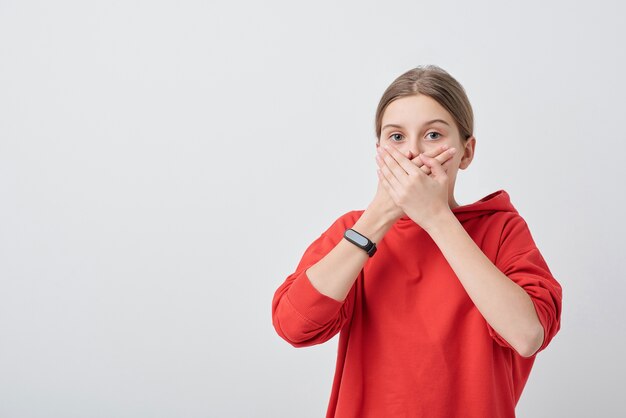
438	221
373	224
384	213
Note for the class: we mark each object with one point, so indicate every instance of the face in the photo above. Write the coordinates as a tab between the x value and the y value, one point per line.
417	124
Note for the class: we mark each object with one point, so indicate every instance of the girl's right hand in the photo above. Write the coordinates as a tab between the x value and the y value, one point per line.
384	204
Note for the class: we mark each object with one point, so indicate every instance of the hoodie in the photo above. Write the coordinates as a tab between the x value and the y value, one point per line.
412	343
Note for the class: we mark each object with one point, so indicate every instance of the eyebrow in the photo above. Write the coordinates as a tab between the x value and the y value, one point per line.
430	122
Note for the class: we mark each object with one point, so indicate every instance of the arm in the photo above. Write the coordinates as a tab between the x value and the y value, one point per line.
335	274
519	298
315	302
502	302
302	315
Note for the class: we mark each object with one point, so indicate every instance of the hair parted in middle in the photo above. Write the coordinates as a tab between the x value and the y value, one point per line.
435	82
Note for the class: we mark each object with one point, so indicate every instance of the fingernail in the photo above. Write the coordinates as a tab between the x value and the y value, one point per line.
452	150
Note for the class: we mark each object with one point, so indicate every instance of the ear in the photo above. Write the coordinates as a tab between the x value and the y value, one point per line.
468	153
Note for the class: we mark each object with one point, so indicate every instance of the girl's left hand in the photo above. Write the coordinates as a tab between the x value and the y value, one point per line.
421	196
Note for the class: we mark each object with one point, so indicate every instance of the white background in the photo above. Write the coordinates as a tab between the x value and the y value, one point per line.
164	165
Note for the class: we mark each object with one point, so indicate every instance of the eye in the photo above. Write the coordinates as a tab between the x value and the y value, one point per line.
437	135
395	137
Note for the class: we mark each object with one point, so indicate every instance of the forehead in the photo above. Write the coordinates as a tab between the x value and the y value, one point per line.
415	110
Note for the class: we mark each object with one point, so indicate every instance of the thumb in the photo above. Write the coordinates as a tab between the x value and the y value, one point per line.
434	165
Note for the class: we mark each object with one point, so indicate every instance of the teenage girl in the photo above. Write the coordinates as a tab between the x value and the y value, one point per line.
441	308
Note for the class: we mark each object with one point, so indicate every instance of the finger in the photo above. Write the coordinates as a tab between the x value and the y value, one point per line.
435	166
440	150
418	162
445	156
403	163
390	168
385	183
441	158
387	173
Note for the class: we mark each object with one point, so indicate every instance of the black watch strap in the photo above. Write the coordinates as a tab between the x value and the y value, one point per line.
360	241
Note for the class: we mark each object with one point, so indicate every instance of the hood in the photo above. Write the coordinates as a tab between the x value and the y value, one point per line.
498	201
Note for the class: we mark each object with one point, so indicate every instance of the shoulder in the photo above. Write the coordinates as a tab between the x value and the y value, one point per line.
498	211
515	237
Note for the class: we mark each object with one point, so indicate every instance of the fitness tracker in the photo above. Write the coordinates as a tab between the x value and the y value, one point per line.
360	241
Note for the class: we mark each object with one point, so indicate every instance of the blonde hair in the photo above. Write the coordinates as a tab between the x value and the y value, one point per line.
435	82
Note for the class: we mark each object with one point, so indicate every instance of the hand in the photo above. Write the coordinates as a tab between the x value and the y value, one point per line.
439	154
384	203
415	193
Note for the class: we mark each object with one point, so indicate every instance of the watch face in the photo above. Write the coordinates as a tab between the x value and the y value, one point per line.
358	238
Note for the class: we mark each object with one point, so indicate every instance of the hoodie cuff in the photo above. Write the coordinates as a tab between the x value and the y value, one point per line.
310	303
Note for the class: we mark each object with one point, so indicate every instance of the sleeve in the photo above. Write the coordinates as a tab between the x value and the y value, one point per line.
520	260
301	314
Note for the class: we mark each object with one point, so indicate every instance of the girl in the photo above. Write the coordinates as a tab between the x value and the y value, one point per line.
441	308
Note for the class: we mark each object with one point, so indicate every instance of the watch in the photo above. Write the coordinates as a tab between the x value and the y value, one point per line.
360	241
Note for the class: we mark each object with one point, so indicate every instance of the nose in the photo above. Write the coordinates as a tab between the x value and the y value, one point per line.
414	148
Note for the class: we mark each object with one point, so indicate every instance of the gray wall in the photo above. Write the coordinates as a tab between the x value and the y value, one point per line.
163	166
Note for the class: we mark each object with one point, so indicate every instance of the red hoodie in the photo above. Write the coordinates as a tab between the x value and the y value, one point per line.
412	342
